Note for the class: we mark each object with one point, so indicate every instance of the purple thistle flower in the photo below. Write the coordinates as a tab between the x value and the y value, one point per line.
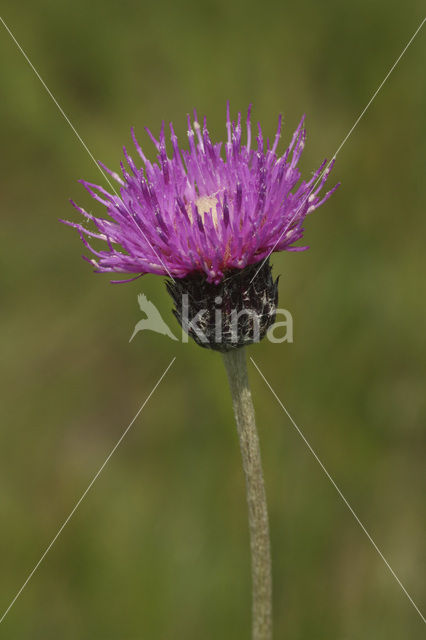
204	211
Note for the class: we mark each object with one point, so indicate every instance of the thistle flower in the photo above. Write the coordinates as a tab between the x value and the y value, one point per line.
209	220
204	215
203	211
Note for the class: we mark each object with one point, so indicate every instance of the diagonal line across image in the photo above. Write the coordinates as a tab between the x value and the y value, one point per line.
330	478
328	166
86	491
79	137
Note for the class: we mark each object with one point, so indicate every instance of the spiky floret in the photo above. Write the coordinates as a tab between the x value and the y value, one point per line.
203	210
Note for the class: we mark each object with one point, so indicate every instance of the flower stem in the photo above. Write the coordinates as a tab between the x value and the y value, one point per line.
236	367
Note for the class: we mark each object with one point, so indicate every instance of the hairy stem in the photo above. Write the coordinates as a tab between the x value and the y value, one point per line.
236	367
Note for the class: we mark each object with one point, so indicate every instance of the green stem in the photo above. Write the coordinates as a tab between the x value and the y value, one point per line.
236	367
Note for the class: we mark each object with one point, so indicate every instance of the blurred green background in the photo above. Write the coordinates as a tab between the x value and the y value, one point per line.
159	548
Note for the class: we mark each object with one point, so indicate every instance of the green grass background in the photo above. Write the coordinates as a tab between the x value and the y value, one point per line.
159	548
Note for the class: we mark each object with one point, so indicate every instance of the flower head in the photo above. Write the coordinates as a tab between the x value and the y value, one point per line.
205	210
